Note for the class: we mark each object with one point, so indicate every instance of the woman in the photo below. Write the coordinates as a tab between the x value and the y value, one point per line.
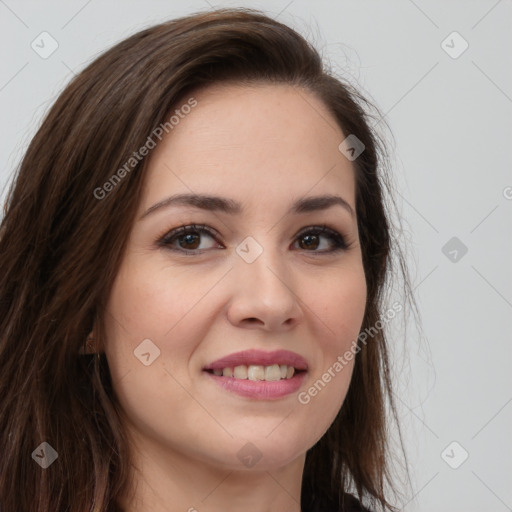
193	258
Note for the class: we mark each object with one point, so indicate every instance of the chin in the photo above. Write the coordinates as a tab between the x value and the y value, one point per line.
271	450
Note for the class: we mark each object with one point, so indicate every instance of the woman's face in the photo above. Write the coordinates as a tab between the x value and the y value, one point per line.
257	278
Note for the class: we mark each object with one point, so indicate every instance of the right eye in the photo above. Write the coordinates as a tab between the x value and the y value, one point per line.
188	238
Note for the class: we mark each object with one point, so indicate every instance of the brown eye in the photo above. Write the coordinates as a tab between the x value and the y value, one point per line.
187	239
311	241
312	238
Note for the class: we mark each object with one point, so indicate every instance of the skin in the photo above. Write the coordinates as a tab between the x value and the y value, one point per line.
264	146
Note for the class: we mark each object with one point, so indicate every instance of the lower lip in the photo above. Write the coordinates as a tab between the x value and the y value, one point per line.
260	389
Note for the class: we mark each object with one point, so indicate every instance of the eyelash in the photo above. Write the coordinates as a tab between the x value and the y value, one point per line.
336	238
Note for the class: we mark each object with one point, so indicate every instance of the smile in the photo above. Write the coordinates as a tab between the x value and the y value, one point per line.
257	372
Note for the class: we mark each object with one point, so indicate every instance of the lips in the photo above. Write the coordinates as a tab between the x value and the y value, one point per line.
259	375
260	358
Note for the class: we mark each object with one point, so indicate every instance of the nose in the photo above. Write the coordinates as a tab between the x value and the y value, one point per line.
264	296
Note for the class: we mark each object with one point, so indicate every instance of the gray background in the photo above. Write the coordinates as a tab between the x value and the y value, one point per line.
452	126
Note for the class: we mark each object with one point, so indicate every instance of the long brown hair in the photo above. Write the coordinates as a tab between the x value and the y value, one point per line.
60	248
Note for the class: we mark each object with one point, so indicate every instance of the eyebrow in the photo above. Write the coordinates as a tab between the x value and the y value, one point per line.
232	207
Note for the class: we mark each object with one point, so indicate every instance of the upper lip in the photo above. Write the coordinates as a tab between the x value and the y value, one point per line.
259	357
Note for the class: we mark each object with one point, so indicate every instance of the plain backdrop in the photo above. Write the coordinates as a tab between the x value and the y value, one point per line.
441	72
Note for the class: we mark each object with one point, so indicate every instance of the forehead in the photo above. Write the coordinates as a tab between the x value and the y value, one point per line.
272	141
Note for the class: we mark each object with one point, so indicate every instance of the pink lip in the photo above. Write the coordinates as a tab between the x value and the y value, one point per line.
260	389
259	357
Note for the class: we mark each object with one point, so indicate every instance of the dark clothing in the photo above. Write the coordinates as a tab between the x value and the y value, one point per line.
349	504
353	505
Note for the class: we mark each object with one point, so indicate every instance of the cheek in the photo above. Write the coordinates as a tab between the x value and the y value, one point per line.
341	307
151	301
150	313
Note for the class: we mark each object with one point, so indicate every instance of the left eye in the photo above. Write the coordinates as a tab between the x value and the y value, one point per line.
315	233
189	239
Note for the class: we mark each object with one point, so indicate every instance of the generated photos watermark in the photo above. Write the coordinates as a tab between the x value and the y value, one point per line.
144	150
304	397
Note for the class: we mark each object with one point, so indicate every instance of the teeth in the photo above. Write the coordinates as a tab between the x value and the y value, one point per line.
240	372
227	372
272	372
257	372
